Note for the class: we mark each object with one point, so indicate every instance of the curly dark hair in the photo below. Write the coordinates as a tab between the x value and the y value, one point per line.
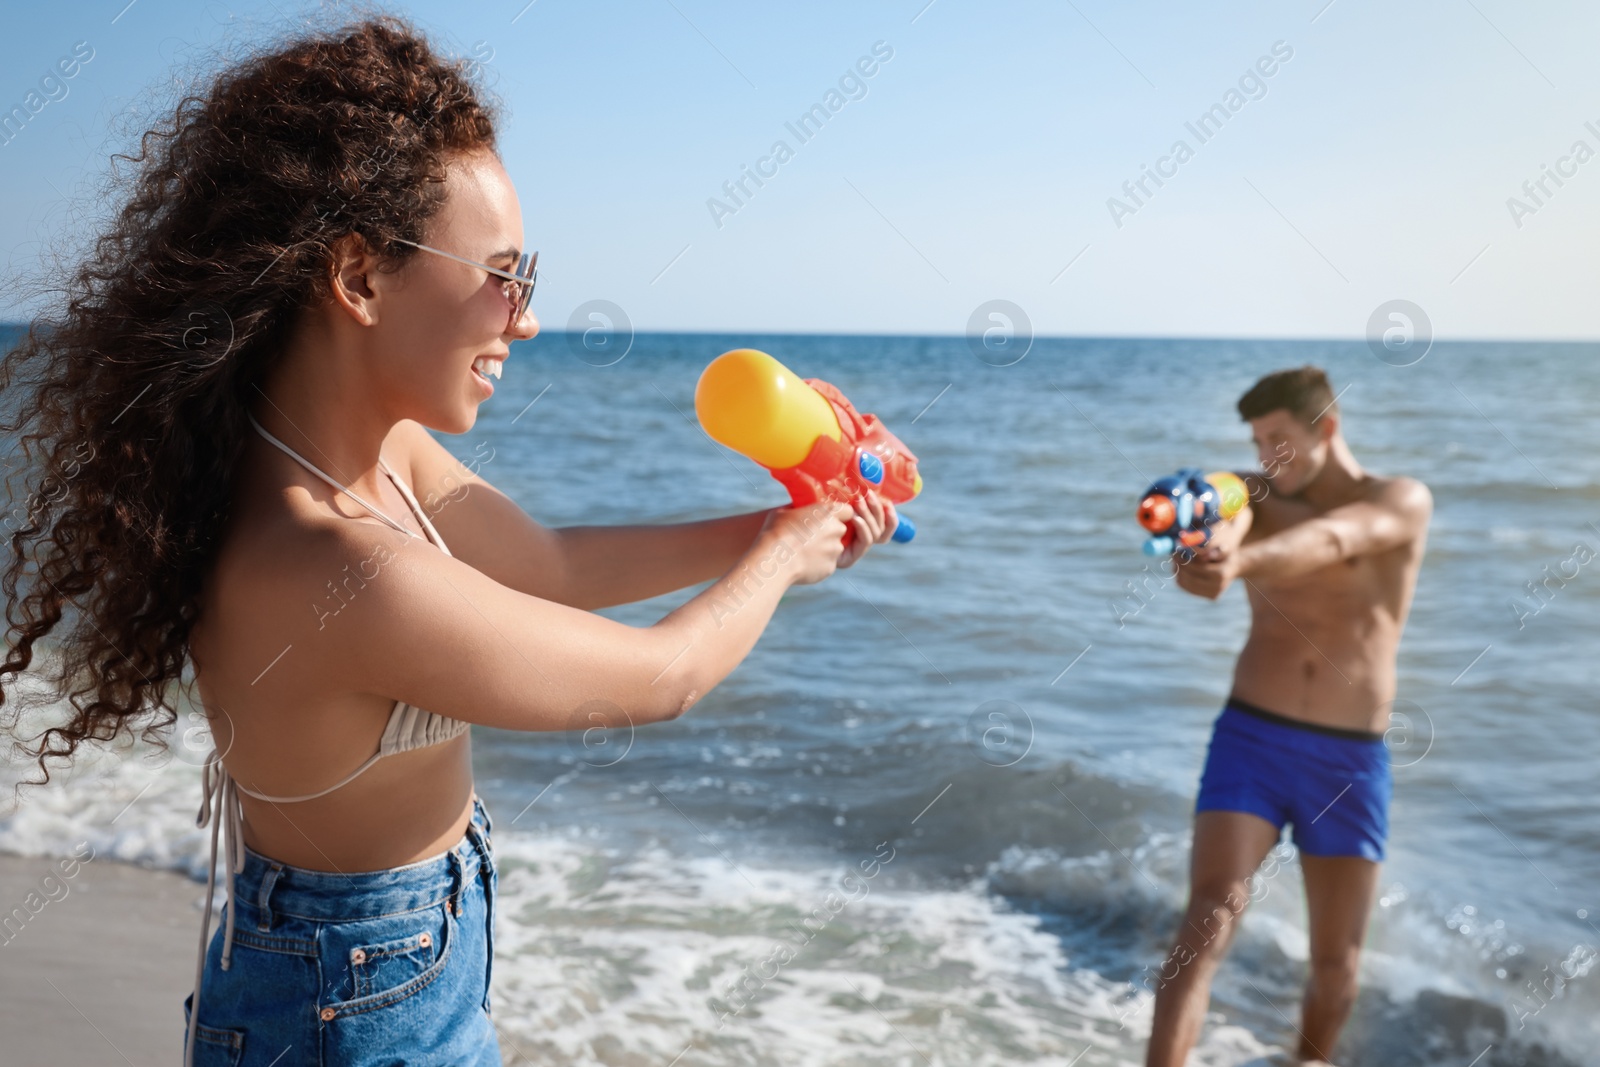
127	396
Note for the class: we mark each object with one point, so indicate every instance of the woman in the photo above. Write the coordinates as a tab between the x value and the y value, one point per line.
320	259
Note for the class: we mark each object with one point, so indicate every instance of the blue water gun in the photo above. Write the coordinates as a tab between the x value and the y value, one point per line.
1181	509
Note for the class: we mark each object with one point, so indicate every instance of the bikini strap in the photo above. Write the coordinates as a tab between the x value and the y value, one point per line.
416	508
352	776
314	469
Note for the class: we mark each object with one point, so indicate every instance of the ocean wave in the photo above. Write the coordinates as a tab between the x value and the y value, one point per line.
621	955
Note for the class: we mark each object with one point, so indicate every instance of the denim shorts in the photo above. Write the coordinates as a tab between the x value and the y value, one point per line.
381	967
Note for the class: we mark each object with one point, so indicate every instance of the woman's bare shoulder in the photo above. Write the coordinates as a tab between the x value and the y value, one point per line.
279	573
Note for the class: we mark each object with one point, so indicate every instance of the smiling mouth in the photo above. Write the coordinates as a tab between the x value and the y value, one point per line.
487	367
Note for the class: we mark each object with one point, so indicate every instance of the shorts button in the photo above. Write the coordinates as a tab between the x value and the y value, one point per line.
358	956
425	940
327	1014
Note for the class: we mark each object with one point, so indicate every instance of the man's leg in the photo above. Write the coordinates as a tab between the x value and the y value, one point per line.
1228	847
1339	893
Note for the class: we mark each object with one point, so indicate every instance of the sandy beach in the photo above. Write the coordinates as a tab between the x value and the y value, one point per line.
97	975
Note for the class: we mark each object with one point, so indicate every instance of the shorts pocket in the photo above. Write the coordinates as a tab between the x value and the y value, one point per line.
218	1048
386	960
213	1046
376	968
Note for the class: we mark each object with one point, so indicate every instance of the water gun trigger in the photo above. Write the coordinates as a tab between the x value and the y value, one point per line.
869	467
871	471
883	464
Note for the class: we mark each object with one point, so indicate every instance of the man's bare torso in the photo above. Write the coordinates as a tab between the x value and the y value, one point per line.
1322	645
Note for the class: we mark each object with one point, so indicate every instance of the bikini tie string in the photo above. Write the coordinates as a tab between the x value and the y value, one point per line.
219	808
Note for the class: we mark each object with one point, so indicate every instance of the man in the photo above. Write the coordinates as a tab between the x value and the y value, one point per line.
1329	555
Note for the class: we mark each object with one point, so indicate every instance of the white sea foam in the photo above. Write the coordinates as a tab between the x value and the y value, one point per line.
613	957
606	958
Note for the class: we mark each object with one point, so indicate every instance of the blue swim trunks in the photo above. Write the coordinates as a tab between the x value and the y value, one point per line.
1332	784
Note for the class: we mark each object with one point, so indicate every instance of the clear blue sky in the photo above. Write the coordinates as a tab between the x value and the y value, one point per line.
978	164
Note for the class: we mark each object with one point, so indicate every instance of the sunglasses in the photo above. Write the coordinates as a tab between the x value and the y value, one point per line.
518	287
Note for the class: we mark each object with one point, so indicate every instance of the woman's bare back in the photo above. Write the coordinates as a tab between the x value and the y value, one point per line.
286	720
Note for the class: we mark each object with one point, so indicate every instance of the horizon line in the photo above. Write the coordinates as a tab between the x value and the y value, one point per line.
1261	338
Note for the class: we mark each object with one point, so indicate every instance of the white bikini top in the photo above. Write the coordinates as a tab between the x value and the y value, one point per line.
409	727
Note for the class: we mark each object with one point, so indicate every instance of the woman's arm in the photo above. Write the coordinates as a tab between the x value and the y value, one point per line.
620	564
607	565
439	634
584	567
580	566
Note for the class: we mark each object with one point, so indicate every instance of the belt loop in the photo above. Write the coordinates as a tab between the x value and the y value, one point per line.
480	846
263	898
482	834
483	809
456	873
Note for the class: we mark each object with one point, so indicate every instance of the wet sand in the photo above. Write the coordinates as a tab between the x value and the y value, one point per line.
97	975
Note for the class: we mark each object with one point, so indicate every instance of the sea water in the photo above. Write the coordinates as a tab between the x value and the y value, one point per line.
940	815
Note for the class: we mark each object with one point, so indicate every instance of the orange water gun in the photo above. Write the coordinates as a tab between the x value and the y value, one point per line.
1181	510
807	435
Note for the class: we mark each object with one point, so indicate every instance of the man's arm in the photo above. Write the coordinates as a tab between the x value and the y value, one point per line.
1364	528
1398	515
